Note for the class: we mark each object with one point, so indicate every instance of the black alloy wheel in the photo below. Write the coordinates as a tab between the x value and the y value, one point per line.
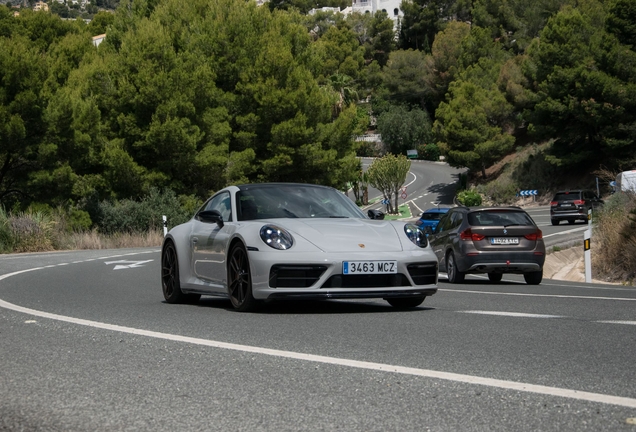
406	303
495	277
239	281
170	283
454	275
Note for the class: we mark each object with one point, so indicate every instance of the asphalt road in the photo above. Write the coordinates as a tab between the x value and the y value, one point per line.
89	344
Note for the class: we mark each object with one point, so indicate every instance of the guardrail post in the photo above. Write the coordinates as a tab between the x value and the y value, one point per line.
165	225
587	255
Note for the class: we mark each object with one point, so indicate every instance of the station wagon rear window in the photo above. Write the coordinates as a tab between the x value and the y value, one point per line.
499	218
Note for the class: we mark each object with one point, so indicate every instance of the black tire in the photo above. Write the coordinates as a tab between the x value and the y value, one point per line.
406	303
454	275
533	278
495	277
239	280
555	221
170	284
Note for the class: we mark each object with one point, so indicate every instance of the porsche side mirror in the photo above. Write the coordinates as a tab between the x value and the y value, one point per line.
375	214
211	216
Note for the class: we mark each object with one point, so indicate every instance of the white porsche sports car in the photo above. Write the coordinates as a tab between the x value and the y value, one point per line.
272	241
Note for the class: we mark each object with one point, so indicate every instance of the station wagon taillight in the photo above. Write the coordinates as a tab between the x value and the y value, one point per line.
468	234
534	236
579	202
554	203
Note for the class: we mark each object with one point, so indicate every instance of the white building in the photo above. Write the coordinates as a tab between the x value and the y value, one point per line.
391	7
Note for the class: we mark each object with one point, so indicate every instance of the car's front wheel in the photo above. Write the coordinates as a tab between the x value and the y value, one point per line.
406	303
239	280
454	275
495	277
170	278
533	278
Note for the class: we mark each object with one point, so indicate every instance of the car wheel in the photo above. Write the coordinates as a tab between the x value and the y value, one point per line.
555	221
406	303
239	280
495	277
533	278
170	278
454	275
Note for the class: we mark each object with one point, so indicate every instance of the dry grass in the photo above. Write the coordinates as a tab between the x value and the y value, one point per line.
95	240
614	242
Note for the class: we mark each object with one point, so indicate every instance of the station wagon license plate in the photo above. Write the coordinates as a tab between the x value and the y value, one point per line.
368	267
504	240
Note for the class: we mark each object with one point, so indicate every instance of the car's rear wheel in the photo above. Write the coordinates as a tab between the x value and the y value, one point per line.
406	303
555	221
239	280
454	275
533	278
170	283
495	277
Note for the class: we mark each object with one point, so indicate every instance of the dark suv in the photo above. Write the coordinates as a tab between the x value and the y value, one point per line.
572	205
492	240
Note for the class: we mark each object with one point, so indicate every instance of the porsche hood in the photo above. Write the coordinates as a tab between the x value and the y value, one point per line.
345	235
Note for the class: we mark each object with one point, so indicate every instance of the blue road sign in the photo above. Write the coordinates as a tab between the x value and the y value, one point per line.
528	192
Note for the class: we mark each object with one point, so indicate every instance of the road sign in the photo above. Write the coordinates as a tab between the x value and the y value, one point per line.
385	201
529	192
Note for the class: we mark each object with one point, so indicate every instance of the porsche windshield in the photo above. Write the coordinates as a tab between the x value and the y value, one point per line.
293	201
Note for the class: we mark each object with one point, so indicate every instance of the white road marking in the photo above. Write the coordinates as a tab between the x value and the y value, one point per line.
617	322
583	228
511	314
123	264
538	295
380	367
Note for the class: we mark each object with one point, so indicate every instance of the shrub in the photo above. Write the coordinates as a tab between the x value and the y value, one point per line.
128	216
31	232
615	236
429	152
500	191
469	198
6	239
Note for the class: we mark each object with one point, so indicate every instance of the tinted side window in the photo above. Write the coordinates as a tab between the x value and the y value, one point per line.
457	219
222	204
445	222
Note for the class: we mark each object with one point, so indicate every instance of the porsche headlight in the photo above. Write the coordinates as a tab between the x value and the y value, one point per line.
276	237
416	235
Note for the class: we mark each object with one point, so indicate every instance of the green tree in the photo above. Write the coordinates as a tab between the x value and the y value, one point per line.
586	90
443	65
382	41
403	129
424	19
470	126
22	127
404	76
621	21
388	174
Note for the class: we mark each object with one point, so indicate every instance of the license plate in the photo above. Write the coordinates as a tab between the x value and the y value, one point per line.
369	267
504	240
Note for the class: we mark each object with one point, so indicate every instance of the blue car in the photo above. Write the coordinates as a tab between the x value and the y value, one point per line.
430	218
